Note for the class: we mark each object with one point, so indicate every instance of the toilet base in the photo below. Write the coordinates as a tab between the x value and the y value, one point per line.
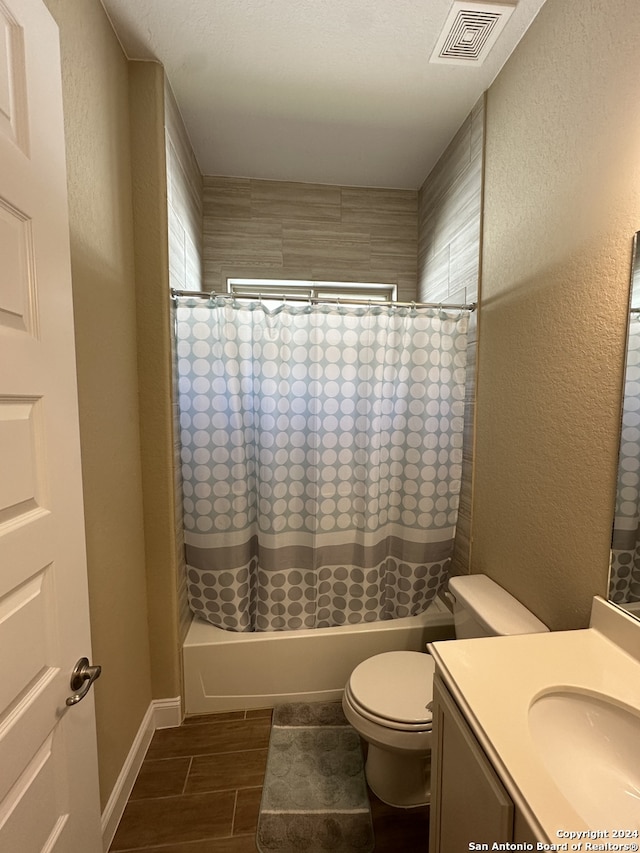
399	780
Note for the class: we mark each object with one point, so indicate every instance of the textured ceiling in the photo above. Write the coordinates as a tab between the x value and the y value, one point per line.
327	91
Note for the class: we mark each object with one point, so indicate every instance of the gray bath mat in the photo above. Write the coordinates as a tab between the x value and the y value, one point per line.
314	798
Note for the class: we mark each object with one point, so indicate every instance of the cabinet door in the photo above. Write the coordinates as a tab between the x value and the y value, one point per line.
469	803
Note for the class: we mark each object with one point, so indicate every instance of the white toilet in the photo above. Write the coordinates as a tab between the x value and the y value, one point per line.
388	697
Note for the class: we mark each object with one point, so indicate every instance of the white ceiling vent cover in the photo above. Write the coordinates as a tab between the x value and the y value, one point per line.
470	32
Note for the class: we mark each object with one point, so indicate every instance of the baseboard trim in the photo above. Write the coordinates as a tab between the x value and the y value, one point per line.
161	714
167	713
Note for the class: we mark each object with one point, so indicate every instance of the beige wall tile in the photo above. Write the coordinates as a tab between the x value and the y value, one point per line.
449	213
293	229
273	229
360	216
282	200
226	198
452	164
463	261
365	198
313	254
449	229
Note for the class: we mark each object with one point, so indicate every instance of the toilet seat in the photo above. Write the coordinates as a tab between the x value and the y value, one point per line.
393	689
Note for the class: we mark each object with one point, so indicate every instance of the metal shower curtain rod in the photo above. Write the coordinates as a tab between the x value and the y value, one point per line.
201	294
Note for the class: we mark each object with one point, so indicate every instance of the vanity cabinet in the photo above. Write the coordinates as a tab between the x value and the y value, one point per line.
469	803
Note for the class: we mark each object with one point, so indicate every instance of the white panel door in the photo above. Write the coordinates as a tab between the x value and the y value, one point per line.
48	765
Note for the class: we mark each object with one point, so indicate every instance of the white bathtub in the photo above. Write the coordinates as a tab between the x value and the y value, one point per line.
224	671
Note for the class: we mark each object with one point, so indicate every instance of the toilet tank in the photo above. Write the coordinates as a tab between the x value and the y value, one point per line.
484	609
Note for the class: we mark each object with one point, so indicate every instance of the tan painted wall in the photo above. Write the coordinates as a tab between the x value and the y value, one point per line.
562	201
95	81
184	208
148	155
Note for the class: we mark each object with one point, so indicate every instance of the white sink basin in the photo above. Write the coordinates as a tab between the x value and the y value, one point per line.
590	746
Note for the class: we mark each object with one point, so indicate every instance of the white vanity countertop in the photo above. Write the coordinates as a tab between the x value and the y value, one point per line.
496	679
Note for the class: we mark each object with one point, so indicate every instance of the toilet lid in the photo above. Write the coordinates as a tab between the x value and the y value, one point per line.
395	686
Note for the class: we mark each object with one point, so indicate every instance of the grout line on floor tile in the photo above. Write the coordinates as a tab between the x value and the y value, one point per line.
235	790
149	759
228	752
233	817
186	778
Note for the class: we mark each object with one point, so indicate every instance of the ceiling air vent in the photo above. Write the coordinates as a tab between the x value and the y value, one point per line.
470	32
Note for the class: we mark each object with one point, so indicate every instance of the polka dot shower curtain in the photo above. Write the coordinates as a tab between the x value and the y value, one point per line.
624	581
321	459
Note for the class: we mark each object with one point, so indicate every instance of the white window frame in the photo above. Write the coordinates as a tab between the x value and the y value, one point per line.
279	289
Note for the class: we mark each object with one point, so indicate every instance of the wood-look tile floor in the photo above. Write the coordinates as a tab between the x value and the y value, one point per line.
199	790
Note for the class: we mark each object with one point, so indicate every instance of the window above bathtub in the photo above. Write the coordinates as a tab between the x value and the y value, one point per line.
281	289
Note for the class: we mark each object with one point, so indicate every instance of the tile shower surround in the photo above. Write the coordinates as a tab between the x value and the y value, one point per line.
199	790
449	217
275	229
279	229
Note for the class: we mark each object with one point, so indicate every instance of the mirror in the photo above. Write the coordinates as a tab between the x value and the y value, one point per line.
624	576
